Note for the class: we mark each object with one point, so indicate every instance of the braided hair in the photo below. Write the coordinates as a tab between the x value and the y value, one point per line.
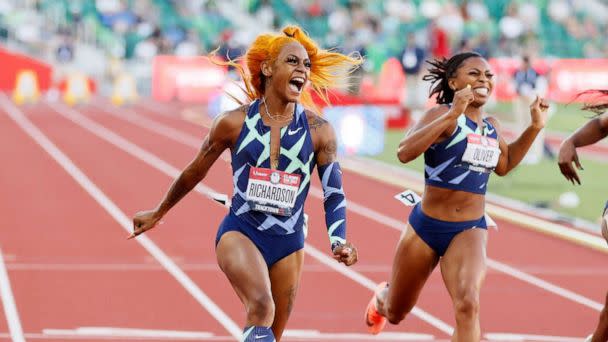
441	71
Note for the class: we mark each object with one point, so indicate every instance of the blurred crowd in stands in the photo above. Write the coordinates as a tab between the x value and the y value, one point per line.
378	29
100	34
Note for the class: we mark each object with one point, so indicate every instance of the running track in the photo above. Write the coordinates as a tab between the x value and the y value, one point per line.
72	177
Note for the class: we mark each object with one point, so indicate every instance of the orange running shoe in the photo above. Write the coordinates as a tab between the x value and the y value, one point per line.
374	320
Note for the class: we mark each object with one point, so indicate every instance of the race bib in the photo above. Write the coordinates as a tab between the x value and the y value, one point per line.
481	153
408	197
272	191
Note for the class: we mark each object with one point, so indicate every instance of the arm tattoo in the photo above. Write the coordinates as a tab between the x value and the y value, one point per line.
317	122
330	150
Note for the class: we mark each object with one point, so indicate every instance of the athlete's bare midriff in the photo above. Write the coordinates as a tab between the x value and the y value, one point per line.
452	205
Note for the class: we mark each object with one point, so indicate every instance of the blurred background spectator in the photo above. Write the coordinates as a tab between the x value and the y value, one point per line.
86	32
412	61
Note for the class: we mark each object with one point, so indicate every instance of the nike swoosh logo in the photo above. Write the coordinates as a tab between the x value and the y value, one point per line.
257	337
490	131
290	132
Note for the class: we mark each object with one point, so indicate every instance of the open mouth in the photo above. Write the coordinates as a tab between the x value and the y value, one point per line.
297	83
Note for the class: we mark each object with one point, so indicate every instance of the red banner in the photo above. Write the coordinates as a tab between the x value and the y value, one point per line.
566	77
13	63
192	79
569	77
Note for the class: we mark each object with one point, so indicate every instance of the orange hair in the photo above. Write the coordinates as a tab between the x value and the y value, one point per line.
328	69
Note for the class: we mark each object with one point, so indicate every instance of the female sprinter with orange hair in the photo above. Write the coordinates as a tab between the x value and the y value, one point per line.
275	143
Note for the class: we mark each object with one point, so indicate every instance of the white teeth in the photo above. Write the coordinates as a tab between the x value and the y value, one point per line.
299	79
482	91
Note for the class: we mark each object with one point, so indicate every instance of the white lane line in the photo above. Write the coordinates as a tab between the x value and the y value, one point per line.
8	302
317	335
123	143
129	333
314	335
527	337
172	133
400	225
130	116
560	291
144	267
76	267
152	107
124	221
371	285
162	166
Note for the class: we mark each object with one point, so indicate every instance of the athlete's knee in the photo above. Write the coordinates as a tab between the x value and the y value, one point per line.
260	308
466	304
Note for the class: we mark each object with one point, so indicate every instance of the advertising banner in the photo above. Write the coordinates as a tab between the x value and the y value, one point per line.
565	78
188	79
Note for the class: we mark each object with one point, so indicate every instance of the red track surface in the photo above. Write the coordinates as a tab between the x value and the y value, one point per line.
70	266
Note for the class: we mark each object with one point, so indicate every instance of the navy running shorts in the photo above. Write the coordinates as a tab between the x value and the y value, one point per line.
273	247
439	234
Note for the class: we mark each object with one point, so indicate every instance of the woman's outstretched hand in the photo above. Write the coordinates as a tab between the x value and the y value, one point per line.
143	221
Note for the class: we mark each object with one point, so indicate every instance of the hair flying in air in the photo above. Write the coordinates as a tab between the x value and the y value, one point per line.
595	100
329	69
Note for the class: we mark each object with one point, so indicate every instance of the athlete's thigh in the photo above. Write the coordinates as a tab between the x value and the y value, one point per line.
285	280
463	266
413	264
243	264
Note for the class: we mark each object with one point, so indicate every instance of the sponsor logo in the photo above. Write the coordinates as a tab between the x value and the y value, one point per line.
290	132
275	177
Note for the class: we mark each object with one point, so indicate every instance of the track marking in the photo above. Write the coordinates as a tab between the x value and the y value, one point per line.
371	285
111	208
129	333
400	225
164	130
560	291
78	267
317	335
143	267
164	167
527	337
8	302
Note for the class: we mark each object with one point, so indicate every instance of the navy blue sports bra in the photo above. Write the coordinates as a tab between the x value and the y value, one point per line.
465	160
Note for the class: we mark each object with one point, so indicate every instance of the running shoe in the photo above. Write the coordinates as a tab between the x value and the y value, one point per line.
374	320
